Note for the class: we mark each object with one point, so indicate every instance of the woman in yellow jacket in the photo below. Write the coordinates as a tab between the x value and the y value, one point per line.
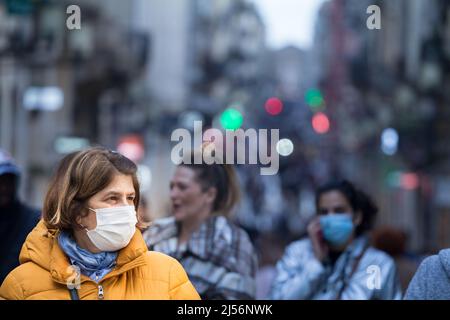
87	245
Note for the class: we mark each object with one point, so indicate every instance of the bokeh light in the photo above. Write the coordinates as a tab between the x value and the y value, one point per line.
231	119
187	118
314	98
321	123
409	181
274	106
132	147
285	147
405	180
389	141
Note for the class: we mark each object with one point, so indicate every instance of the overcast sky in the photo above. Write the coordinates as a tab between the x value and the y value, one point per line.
289	22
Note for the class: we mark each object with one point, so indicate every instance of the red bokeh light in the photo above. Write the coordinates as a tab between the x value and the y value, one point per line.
132	147
321	123
274	106
409	181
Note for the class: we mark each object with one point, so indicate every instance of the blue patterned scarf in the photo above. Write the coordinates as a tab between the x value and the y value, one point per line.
93	265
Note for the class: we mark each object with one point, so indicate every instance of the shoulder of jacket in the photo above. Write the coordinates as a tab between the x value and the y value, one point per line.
230	232
300	245
377	252
430	270
12	288
19	278
160	258
382	261
159	229
164	221
433	263
160	263
23	272
162	266
161	224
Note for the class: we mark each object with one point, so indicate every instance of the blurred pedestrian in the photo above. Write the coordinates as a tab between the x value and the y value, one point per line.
270	249
217	255
336	260
87	246
16	218
393	241
432	279
144	211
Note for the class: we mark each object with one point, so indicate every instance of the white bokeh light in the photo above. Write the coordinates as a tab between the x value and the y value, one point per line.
389	141
285	147
289	22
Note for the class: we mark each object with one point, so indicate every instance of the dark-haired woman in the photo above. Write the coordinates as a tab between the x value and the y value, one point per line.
216	254
336	261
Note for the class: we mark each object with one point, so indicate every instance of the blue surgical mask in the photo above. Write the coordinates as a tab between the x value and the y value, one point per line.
336	228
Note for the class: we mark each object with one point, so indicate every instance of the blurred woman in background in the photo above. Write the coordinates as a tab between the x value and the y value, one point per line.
393	241
87	245
336	260
217	255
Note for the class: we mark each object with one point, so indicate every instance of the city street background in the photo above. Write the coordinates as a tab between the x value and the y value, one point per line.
372	106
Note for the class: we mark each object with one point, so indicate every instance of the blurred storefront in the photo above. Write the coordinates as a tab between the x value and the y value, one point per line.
63	90
392	78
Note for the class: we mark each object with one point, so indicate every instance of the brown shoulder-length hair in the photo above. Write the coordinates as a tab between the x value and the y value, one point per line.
80	176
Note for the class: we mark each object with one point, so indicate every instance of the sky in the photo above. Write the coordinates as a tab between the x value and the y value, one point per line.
289	22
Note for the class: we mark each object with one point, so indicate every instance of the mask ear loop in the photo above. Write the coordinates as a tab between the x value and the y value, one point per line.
82	226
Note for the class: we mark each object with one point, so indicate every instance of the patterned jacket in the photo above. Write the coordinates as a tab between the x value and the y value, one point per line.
360	273
218	258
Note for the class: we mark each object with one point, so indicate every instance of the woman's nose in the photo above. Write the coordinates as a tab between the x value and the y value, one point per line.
123	201
173	193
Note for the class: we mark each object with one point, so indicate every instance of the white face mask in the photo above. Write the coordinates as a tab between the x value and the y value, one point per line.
115	228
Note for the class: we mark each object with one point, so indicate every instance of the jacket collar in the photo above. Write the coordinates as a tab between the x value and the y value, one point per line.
130	257
208	243
358	245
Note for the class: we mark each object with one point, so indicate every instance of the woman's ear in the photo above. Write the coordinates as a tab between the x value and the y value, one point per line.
211	194
357	218
79	221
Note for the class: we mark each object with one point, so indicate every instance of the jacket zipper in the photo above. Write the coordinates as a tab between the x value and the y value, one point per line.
100	292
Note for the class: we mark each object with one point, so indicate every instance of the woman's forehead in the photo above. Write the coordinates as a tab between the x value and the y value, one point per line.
183	173
120	184
333	198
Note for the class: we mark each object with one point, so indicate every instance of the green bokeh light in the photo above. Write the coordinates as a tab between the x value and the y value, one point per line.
231	119
314	98
393	179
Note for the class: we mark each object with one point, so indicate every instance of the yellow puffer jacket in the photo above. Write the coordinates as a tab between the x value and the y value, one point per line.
45	270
